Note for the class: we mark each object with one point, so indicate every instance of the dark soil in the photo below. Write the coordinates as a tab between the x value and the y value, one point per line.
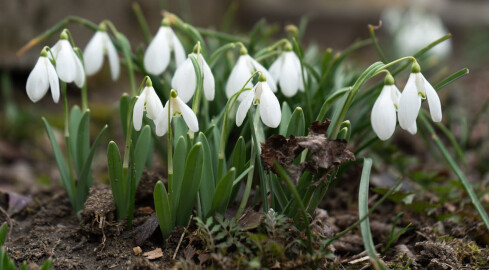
48	228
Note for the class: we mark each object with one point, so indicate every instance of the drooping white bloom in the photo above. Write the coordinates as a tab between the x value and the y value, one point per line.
148	101
416	89
157	55
97	47
415	29
383	116
242	71
269	106
42	77
185	79
68	65
286	70
177	107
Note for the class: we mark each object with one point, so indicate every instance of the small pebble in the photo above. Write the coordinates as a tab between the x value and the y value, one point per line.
137	250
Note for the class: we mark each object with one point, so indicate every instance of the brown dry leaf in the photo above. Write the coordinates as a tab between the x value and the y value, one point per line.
153	254
325	154
250	220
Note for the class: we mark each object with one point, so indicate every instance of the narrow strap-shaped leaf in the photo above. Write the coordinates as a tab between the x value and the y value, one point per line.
83	183
222	195
114	165
284	122
47	265
191	182
23	266
82	143
3	233
61	162
363	211
141	152
75	118
297	123
163	209
179	157
207	183
179	128
123	111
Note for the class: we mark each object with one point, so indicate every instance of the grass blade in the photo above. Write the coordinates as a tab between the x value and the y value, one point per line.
114	165
163	209
223	193
363	211
297	123
3	233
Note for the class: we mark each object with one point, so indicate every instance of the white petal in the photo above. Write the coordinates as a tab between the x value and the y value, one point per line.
37	83
113	58
409	104
153	104
244	106
94	53
80	72
383	115
138	111
157	55
53	80
209	83
188	115
290	77
239	75
270	80
162	122
298	67
65	61
413	129
433	102
184	80
270	112
276	68
178	49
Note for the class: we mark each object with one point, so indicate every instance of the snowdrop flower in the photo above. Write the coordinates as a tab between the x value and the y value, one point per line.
68	65
286	70
416	89
42	77
97	47
383	116
415	29
147	101
270	113
185	79
177	107
242	71
157	55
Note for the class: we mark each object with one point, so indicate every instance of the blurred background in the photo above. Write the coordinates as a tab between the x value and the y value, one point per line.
25	154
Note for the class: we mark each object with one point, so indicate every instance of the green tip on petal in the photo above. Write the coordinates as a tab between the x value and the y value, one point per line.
262	77
415	68
389	80
102	27
149	83
173	93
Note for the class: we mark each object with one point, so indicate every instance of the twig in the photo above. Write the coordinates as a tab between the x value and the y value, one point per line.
181	239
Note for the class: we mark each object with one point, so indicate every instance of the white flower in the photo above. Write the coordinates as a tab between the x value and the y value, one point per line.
68	65
97	47
185	79
157	55
286	70
417	88
177	107
42	76
242	71
383	115
148	101
269	106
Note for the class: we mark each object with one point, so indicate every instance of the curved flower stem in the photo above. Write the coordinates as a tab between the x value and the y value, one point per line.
271	48
371	29
143	24
229	104
67	137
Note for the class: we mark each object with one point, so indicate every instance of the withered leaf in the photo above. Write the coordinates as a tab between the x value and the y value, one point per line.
153	254
325	154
